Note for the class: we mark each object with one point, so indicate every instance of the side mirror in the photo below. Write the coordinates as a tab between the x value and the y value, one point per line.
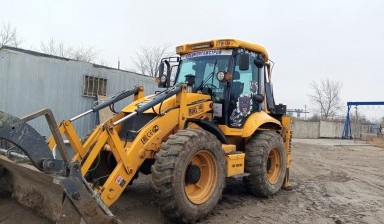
161	69
259	62
259	98
164	81
169	71
244	62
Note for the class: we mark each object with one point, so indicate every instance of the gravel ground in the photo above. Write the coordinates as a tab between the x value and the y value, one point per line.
333	181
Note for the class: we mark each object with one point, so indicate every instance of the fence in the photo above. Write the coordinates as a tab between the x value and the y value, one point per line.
328	129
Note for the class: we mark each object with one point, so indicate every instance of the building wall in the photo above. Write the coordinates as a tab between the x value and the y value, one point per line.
30	82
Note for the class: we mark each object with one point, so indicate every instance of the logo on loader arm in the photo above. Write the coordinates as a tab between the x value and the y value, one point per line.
149	134
196	109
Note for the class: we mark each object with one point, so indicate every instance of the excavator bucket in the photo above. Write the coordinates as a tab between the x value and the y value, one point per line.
53	187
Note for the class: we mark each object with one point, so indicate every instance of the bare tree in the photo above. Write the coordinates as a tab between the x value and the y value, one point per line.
84	54
60	49
54	48
9	36
147	59
359	118
326	97
314	117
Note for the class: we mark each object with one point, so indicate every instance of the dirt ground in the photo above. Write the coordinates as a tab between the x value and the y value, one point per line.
333	181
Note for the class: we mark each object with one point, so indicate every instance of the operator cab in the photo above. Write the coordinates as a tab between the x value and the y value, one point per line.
235	79
202	69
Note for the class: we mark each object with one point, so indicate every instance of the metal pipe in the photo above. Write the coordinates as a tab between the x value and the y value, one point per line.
80	115
15	154
124	118
122	95
154	101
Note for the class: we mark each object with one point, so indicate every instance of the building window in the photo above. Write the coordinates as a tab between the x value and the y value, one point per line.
94	86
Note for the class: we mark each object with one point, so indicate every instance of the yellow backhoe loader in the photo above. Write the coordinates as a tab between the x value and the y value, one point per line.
216	118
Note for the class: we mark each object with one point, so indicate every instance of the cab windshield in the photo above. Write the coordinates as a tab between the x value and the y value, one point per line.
204	68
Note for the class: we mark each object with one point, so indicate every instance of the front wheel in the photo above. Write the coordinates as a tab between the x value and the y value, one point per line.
266	162
189	175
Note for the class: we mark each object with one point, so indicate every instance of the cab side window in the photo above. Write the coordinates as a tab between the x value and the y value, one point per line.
244	87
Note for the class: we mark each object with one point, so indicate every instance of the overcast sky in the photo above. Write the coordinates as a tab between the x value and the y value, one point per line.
308	40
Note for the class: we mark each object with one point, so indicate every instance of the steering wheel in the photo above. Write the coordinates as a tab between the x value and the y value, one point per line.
214	94
208	85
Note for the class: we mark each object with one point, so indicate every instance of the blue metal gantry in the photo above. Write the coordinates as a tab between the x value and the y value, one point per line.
347	133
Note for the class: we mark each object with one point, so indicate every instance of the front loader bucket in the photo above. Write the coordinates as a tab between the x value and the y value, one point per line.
31	188
54	188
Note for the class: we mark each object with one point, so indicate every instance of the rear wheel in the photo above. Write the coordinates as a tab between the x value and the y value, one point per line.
265	161
189	175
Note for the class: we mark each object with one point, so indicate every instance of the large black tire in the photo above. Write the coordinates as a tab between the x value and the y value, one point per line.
175	178
266	162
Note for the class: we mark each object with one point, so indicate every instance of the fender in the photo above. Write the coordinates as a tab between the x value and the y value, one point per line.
255	120
208	126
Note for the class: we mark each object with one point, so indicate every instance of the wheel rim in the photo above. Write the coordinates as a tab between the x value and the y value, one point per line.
201	191
273	166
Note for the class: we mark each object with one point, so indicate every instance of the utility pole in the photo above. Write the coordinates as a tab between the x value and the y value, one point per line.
305	112
298	112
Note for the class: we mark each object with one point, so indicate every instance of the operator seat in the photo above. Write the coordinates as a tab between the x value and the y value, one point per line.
236	90
237	86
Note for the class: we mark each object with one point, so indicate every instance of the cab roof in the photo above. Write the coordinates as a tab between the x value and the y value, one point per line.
221	44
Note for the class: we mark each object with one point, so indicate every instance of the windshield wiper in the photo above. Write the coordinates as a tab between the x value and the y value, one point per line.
209	76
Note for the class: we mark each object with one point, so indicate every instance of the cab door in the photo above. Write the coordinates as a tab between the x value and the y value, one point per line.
245	86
